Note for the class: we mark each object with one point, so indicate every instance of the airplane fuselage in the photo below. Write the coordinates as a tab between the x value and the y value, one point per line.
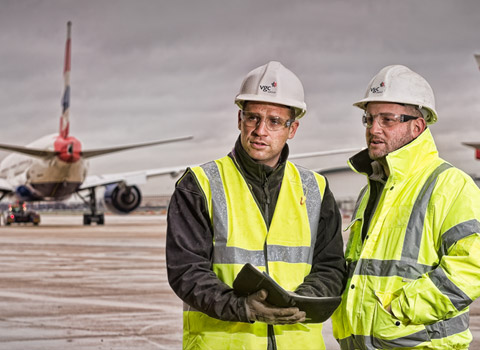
44	178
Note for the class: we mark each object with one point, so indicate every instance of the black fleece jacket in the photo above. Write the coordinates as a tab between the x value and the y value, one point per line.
189	243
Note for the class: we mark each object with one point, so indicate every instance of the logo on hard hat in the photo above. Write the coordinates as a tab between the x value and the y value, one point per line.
378	89
272	88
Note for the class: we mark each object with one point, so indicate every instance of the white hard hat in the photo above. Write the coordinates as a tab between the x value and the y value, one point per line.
273	83
399	84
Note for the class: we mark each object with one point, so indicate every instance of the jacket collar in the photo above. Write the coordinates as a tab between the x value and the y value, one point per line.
251	167
403	162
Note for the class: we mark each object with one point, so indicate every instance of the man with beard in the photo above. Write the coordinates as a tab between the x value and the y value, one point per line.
413	255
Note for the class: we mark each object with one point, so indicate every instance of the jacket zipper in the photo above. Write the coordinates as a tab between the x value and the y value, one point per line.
272	343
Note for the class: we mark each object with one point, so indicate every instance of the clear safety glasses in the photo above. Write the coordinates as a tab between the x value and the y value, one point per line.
385	120
272	123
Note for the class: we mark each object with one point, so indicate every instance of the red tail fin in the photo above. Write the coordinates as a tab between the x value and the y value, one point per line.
64	120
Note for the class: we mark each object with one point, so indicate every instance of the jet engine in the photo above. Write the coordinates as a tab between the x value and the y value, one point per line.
122	199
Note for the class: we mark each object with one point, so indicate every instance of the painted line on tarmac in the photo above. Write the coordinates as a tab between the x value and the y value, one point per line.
85	301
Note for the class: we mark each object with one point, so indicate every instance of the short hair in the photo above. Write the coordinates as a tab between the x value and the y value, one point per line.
414	110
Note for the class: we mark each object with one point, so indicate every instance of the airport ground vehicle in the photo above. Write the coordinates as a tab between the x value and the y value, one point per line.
18	213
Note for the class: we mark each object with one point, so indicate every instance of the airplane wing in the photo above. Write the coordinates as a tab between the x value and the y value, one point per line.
129	178
472	144
324	153
102	151
44	153
5	187
338	170
140	177
35	152
475	145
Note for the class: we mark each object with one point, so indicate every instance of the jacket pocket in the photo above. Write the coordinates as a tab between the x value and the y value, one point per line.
389	332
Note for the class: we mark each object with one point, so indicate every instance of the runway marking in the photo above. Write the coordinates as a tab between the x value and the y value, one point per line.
86	301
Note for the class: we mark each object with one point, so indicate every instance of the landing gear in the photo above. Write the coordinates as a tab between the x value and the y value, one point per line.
93	216
89	218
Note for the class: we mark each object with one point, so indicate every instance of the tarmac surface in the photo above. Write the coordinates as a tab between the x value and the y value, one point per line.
68	286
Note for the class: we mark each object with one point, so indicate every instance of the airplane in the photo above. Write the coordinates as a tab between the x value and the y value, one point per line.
55	167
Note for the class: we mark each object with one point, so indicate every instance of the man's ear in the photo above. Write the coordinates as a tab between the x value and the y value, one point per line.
293	129
419	125
239	119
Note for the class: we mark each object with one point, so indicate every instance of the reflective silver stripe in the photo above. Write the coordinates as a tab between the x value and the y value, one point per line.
449	327
221	253
313	203
458	298
362	342
409	341
457	232
386	268
219	203
234	255
359	200
348	343
289	254
413	235
438	330
351	268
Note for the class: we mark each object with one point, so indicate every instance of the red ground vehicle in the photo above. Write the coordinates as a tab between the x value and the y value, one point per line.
18	213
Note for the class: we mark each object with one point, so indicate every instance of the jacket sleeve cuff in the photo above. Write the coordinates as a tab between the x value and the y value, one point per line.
244	313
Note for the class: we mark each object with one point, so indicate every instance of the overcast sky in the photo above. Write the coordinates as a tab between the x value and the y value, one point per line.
150	69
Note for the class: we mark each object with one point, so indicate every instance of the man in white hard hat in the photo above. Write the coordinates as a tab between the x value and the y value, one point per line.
413	256
253	206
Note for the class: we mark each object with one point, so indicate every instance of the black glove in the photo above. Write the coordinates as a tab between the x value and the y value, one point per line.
259	310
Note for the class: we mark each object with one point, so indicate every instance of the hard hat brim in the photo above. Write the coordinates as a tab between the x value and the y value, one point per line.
300	109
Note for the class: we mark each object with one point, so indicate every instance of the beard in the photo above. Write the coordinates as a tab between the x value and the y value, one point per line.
380	151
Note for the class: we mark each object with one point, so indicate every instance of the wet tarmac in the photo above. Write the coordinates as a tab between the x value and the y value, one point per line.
68	286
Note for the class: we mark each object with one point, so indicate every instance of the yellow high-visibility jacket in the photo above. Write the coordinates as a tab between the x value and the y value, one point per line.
285	249
420	255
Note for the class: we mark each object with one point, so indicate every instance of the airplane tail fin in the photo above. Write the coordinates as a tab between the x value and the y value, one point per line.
64	120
